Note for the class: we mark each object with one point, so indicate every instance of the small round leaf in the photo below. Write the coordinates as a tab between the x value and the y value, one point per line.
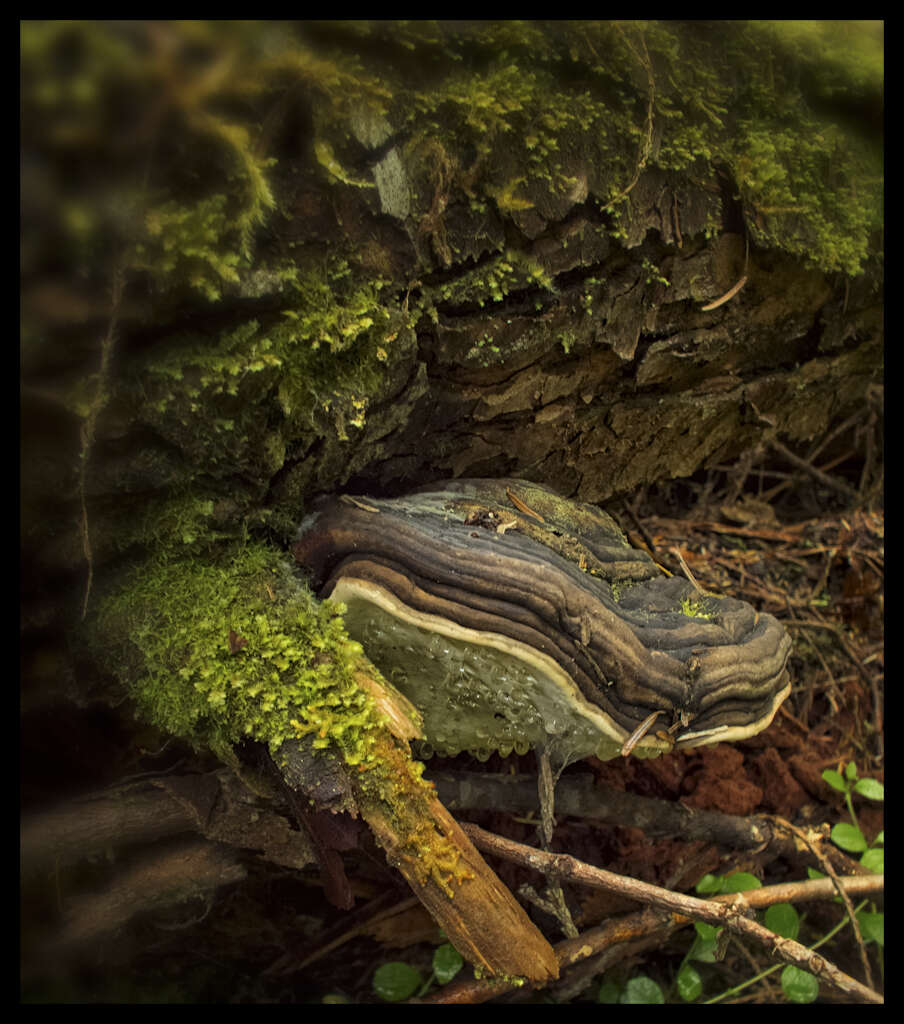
872	789
782	919
690	984
848	837
741	881
874	860
642	990
396	981
835	780
799	986
710	885
872	925
447	962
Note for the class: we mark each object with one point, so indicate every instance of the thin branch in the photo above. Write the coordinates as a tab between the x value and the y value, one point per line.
713	911
817	474
839	888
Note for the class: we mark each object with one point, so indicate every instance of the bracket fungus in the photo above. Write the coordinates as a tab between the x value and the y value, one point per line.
515	619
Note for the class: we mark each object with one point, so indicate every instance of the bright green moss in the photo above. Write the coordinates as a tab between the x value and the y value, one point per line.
233	647
696	608
494	280
754	98
314	367
757	98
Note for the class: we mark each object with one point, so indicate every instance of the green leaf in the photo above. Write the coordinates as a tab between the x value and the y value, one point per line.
447	962
782	919
396	981
704	947
872	925
608	993
642	990
710	885
707	932
850	771
848	837
880	839
874	860
872	789
799	986
741	881
835	780
690	984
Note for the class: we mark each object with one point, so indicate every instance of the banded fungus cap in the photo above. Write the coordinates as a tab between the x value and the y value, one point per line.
513	618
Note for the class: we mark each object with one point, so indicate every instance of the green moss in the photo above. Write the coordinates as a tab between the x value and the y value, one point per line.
654	273
696	608
493	281
755	98
323	151
758	99
523	114
314	369
567	339
215	651
182	517
232	647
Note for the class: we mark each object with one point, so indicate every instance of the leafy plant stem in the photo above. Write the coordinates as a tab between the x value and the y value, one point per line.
777	967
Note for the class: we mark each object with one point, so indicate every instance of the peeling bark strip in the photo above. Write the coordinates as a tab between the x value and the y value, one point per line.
730	294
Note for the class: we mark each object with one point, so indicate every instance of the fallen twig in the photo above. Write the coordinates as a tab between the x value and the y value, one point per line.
714	911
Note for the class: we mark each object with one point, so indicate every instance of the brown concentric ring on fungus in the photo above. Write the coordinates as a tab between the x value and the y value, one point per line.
513	618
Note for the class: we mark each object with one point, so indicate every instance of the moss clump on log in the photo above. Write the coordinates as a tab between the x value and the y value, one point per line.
233	647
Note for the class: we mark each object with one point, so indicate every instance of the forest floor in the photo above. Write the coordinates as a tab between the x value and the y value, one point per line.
801	551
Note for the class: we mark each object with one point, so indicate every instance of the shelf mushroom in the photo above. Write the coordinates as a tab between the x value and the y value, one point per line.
513	619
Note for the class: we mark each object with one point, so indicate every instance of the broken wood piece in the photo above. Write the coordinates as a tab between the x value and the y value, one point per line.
477	912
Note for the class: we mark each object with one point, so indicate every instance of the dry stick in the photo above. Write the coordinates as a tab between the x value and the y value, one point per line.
579	796
630	935
732	292
712	911
162	878
773	492
820	623
817	474
387	905
833	687
837	432
686	570
477	912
